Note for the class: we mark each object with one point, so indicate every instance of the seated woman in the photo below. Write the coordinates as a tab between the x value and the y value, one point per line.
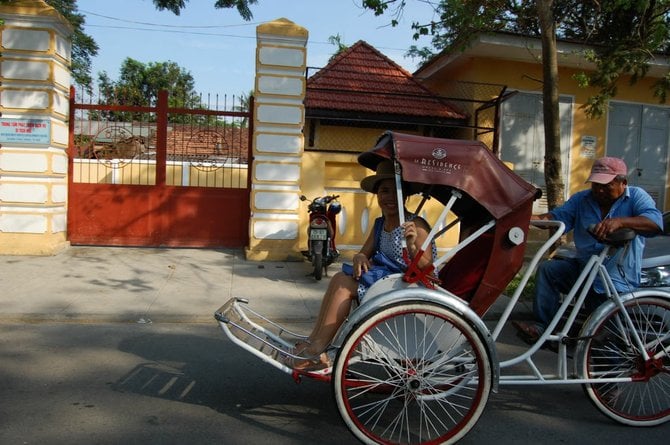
344	288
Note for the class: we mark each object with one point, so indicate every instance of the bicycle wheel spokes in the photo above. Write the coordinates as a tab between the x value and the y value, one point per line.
614	352
412	377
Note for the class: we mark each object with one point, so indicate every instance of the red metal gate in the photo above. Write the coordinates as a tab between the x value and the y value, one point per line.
158	176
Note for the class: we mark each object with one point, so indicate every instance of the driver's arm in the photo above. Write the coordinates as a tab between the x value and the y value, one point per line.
640	224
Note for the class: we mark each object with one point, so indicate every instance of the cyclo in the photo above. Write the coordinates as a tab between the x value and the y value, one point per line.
415	363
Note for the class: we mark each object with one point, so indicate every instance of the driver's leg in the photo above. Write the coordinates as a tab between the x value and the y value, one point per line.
553	278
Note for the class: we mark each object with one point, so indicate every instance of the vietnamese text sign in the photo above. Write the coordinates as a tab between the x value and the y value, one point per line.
589	147
25	131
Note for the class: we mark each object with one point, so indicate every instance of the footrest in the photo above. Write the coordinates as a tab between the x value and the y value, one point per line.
255	333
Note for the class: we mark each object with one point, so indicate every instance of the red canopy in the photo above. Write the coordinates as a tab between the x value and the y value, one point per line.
488	189
468	166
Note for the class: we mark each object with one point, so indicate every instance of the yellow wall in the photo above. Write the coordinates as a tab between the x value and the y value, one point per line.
144	173
527	77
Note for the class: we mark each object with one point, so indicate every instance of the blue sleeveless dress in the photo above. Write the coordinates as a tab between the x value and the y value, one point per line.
390	245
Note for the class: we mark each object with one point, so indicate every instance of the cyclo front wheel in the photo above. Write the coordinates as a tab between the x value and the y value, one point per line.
642	398
412	373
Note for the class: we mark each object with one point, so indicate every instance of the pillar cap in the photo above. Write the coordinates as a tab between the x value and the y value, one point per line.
33	8
282	26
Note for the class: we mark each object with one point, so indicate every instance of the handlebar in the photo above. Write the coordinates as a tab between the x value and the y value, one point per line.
327	199
617	238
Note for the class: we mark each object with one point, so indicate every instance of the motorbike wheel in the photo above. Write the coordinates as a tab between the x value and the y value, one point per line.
317	259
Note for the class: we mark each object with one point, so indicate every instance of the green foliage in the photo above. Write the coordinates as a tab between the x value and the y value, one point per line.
624	35
528	291
337	41
242	6
139	84
84	47
244	105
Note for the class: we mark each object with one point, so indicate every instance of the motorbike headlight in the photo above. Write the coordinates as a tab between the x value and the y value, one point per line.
655	277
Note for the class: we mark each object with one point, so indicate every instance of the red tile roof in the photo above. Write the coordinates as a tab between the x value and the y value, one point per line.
363	80
113	140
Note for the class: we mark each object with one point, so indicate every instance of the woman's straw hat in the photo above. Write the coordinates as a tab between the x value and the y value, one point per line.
385	170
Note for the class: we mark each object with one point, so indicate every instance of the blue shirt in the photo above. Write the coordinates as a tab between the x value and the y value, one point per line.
582	210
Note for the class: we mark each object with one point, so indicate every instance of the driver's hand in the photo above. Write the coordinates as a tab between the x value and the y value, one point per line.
607	226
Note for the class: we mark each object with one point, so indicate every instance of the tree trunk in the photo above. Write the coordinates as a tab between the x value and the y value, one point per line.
552	140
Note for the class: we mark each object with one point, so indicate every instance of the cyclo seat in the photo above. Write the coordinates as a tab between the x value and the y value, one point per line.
463	273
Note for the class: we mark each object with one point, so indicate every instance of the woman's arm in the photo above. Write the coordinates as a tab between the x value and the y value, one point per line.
416	233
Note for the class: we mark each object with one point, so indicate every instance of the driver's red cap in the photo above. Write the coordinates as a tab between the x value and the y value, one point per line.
605	169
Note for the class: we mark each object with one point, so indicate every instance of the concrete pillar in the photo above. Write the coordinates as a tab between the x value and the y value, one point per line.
278	141
35	81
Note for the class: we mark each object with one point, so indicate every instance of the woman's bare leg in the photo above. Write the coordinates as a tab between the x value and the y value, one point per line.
334	309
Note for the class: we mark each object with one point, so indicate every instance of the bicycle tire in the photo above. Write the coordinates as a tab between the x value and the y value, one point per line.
414	372
644	400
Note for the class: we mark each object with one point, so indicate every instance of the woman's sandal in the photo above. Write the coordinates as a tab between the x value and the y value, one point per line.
309	363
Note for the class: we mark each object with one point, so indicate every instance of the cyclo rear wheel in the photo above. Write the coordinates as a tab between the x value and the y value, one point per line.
610	352
412	373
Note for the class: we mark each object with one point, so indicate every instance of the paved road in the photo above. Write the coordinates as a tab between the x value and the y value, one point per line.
163	383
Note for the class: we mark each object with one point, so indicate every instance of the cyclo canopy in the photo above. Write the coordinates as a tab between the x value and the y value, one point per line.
487	191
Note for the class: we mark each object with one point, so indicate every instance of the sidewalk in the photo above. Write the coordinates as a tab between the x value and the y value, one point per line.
125	284
141	285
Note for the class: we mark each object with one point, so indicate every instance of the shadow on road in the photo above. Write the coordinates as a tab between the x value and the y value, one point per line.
216	374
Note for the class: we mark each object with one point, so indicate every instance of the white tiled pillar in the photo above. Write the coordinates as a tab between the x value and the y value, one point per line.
278	141
34	89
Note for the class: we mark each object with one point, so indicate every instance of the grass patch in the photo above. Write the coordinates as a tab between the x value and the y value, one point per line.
528	291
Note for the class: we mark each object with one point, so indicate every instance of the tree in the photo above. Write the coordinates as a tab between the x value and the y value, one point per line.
626	35
84	47
553	179
138	85
244	106
596	24
242	6
337	41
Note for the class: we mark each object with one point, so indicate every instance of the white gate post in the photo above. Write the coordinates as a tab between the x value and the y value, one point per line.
34	91
278	141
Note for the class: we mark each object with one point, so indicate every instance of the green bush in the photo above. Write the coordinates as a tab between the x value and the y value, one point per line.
528	291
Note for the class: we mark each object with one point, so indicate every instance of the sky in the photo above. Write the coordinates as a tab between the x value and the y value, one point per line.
218	47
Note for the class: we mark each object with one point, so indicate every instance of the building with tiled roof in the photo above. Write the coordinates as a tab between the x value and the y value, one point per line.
364	82
365	91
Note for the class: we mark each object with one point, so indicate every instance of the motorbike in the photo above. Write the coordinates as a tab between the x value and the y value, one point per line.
321	251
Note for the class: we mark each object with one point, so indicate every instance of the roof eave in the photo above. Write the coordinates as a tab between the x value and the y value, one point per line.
524	49
382	117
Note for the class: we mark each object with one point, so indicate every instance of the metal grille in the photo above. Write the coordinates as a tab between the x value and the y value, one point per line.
480	102
203	147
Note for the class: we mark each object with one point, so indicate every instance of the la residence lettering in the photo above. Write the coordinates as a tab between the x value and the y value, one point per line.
438	165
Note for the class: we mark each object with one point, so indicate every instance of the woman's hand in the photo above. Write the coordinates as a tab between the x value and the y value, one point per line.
361	265
410	237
